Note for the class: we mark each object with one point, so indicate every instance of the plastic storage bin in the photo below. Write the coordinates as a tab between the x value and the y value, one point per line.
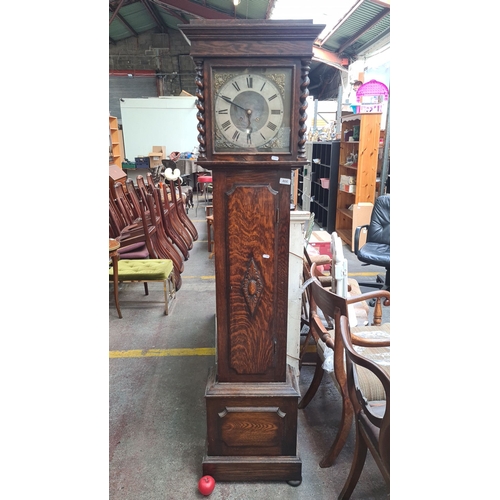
142	162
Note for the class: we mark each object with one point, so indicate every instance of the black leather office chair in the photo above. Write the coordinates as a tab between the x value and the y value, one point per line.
377	249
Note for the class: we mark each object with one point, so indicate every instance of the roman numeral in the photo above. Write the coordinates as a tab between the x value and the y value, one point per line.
236	86
226	125
262	135
276	111
263	85
249	82
222	111
236	136
272	126
273	97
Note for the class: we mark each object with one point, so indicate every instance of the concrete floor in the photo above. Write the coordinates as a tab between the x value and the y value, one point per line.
158	369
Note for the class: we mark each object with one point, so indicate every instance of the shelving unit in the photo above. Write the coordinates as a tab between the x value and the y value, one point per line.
358	164
115	143
324	163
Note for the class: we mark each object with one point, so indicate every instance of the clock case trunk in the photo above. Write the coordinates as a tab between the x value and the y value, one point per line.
252	394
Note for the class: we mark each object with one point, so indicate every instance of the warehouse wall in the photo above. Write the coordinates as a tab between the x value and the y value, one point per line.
165	55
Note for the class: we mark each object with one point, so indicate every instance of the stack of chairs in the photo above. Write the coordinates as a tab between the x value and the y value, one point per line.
151	220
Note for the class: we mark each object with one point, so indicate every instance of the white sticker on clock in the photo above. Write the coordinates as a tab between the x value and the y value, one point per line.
285	181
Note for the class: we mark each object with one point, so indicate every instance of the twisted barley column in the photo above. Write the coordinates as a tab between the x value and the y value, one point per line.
200	104
304	93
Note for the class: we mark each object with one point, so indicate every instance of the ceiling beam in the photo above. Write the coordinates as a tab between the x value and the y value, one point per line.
155	15
115	13
194	9
171	12
127	25
327	57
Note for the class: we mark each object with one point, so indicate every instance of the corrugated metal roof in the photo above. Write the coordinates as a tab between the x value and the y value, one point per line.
137	16
366	23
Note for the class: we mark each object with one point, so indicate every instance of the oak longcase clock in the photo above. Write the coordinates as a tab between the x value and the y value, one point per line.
252	79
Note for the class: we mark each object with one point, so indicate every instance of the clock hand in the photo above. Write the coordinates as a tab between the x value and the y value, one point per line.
249	129
247	111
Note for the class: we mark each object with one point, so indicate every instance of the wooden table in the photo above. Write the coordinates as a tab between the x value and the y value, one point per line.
113	255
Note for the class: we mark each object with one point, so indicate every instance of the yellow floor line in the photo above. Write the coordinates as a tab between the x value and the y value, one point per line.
158	353
199	277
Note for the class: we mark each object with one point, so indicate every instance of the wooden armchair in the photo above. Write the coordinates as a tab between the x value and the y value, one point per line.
305	320
326	308
372	417
341	284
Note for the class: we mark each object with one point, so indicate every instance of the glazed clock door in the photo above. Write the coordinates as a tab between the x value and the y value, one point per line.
252	340
252	109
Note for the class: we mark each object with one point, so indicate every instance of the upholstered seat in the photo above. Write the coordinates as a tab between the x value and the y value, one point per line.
372	388
134	251
146	271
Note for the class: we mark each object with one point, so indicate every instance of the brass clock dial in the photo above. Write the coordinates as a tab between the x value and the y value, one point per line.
252	110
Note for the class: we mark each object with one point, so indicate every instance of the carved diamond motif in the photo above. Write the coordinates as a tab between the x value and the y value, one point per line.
252	286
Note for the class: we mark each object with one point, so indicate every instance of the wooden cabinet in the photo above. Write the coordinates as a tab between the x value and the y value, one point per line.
115	143
357	173
324	163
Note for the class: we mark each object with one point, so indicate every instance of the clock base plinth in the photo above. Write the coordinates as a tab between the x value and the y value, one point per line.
252	430
244	469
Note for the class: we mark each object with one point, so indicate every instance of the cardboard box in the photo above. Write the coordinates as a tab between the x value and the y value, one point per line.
321	240
162	150
348	188
347	179
155	159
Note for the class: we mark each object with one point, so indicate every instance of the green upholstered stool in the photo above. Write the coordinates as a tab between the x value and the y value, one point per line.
146	271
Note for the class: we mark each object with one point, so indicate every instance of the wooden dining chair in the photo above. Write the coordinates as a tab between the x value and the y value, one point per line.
172	216
372	417
134	242
172	229
326	308
181	207
166	250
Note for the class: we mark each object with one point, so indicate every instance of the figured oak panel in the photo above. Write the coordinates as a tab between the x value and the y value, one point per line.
252	261
256	427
